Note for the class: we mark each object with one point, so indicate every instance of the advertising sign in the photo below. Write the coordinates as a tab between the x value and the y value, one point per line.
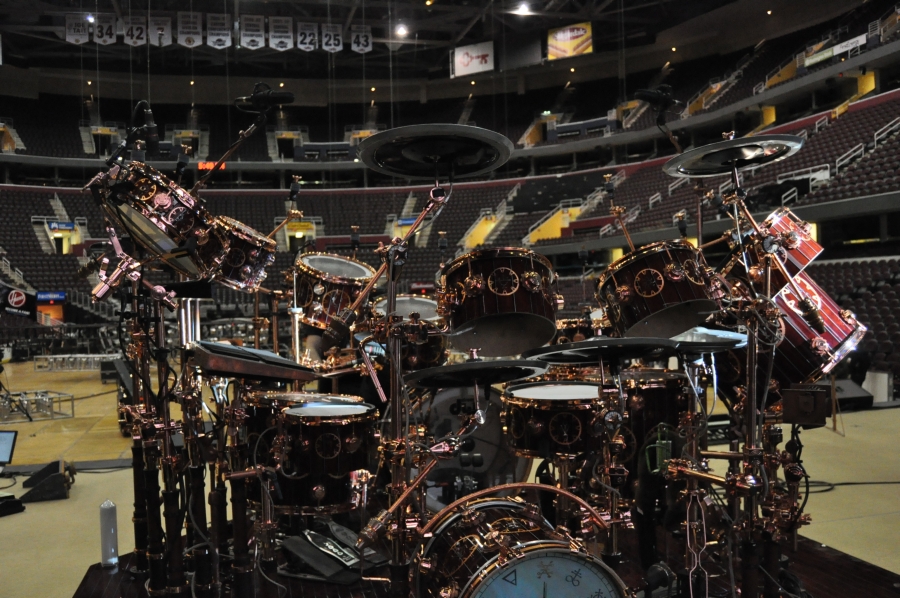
573	40
468	60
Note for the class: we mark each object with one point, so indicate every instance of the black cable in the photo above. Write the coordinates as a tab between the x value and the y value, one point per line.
111	470
829	486
14	482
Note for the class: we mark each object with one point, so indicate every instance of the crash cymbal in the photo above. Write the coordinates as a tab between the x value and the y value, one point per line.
602	348
700	340
718	158
469	373
435	151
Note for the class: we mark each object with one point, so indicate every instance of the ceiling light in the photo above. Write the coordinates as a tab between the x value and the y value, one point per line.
429	2
572	70
281	84
674	48
192	81
768	12
522	9
373	89
401	30
90	18
473	83
89	82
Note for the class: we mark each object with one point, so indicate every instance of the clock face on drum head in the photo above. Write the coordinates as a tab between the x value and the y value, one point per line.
550	574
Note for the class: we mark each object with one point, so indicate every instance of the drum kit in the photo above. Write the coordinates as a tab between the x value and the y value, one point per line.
469	391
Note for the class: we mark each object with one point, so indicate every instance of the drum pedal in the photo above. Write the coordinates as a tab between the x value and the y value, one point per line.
308	561
347	538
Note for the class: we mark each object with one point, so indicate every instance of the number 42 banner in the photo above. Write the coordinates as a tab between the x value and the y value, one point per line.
361	38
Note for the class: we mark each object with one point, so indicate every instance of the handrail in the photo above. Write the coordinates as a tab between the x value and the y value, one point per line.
566	203
856	151
886	130
654	199
821	123
789	195
809	171
678	183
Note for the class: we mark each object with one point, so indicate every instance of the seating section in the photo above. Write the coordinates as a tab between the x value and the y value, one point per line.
48	126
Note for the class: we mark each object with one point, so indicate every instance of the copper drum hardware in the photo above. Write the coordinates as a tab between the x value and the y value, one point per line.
326	284
499	301
547	419
659	290
504	547
249	254
573	330
163	218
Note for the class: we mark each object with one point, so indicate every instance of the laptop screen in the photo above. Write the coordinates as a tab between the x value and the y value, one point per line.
7	445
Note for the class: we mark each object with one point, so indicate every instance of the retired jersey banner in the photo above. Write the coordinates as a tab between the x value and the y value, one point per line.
135	30
76	29
218	31
332	38
308	36
105	29
190	29
253	31
468	60
160	31
573	40
281	33
361	38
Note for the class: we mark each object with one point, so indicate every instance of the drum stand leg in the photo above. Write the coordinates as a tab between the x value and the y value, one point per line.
242	567
140	505
155	549
563	467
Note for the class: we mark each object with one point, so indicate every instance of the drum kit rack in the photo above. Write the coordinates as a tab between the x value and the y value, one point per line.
442	454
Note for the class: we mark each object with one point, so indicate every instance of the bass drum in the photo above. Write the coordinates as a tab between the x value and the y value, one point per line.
486	459
466	557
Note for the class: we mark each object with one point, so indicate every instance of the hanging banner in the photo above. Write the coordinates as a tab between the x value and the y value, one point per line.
190	29
281	33
573	40
308	36
332	39
253	31
105	29
76	29
16	302
218	31
361	38
160	31
135	30
476	58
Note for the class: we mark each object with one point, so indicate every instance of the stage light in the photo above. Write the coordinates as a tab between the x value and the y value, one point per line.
90	18
522	9
401	30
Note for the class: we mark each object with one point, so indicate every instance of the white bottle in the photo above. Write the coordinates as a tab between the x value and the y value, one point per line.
109	535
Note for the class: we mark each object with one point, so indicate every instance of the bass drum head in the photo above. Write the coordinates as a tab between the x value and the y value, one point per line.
451	479
501	335
337	265
407	304
149	236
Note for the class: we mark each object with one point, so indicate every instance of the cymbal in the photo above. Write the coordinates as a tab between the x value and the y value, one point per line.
435	151
593	350
718	158
469	373
700	340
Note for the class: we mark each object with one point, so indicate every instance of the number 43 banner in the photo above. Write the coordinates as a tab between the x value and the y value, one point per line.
361	38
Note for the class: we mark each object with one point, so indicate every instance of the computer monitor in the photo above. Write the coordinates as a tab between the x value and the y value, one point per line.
7	446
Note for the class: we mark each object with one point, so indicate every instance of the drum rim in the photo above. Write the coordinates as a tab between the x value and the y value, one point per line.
480	253
638	253
370	414
299	264
241	230
258	394
545	404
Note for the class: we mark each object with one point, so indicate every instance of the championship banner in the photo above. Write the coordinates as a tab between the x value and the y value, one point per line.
160	31
281	33
468	60
573	40
105	29
16	302
76	29
361	38
190	29
218	31
135	30
253	31
332	39
308	36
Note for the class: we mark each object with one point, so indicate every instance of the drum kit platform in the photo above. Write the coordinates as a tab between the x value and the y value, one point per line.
444	450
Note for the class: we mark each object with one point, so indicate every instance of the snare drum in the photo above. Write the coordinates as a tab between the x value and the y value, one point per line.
486	463
326	284
418	355
466	557
325	442
499	301
249	253
542	419
161	217
659	290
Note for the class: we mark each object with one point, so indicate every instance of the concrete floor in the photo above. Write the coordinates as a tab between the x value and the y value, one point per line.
47	549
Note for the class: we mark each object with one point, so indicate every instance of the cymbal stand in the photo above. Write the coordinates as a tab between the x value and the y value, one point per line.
611	417
617	211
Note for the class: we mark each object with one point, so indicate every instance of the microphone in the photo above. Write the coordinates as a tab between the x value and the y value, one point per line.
152	133
682	223
661	97
812	315
267	98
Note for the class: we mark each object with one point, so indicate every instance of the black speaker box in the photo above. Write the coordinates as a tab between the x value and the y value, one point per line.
50	483
850	395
